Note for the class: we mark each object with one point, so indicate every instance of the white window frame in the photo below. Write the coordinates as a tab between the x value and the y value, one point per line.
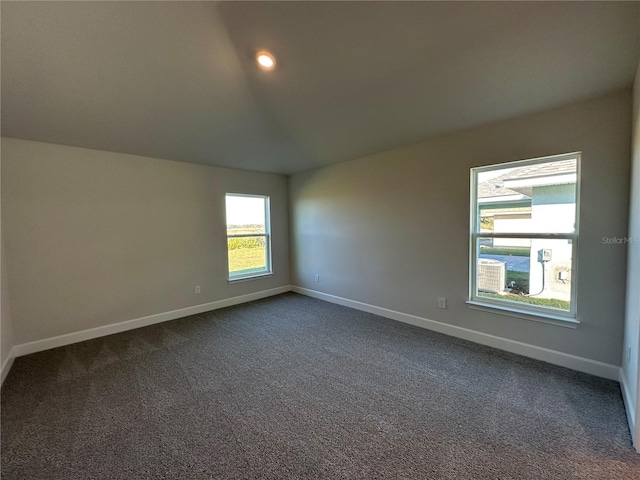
267	238
507	307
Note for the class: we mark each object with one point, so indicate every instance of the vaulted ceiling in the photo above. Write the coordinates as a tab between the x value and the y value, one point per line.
177	80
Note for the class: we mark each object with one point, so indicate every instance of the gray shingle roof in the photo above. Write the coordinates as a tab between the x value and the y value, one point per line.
494	187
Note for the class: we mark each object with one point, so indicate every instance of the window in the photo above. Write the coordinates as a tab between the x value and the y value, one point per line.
524	233
248	236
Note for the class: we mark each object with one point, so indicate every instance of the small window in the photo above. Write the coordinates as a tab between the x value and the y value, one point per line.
248	236
524	233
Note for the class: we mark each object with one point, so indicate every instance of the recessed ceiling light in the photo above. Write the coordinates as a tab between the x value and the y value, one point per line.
266	60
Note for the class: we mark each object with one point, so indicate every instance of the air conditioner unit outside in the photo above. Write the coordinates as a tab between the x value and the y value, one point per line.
491	275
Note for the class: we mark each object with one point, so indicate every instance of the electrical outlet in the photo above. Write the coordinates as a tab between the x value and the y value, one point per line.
442	302
197	289
628	354
317	278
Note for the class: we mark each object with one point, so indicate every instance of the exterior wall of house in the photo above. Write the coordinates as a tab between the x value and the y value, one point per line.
513	223
552	210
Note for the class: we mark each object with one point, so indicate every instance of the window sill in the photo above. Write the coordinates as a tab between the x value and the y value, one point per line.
251	277
548	318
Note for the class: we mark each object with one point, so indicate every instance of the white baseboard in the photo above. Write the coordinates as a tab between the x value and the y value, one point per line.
630	408
555	357
69	338
6	365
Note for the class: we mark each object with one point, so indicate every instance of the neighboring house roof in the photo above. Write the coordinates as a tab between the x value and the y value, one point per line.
498	186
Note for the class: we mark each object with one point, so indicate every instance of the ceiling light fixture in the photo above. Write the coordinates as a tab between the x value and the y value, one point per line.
266	60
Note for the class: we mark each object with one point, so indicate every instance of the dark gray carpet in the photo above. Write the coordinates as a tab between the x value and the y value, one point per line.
292	387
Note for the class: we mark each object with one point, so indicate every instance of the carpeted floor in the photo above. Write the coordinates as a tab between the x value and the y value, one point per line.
293	388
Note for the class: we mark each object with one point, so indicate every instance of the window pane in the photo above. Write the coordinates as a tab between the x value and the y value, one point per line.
247	235
536	198
526	271
245	215
247	255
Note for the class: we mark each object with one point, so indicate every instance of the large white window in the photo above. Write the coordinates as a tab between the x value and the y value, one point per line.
248	235
524	235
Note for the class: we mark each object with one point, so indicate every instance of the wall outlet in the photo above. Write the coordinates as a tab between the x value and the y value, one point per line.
628	354
442	302
317	278
197	289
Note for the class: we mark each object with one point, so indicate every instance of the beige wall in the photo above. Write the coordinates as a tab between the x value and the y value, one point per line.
94	238
6	327
630	358
392	229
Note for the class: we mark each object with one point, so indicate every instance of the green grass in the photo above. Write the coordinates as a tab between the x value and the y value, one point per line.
246	260
543	302
246	255
521	279
516	251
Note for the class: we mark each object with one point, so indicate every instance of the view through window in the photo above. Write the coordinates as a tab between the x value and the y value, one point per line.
248	235
524	234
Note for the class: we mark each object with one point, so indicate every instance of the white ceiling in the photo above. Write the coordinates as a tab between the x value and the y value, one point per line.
176	80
